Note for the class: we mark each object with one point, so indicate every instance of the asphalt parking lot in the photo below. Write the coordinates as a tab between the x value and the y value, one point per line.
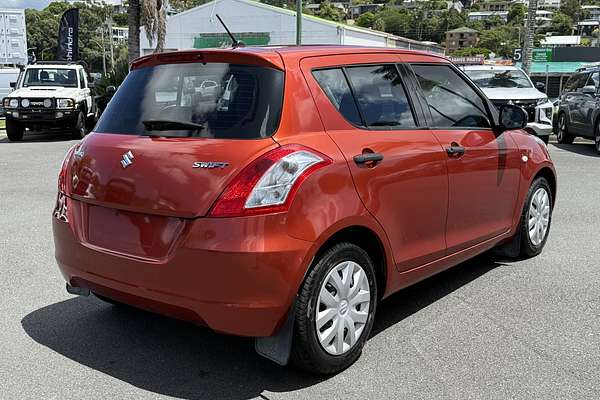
487	329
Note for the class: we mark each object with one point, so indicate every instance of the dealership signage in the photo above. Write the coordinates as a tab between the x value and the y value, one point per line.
538	55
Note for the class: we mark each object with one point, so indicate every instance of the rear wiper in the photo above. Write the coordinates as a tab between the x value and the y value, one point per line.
168	125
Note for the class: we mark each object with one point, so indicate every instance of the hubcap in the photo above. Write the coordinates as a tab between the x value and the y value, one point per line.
539	216
342	308
561	127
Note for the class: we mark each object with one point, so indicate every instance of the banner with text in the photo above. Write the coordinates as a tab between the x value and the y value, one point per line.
68	36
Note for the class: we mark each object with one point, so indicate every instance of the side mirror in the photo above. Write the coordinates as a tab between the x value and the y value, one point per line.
110	90
541	86
13	84
589	89
512	117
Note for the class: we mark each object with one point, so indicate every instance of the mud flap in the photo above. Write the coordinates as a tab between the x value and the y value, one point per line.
511	249
278	348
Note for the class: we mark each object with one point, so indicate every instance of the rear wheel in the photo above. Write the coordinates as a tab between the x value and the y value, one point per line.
78	131
335	310
562	134
14	131
536	218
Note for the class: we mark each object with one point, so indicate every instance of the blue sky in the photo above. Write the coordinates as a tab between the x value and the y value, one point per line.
39	4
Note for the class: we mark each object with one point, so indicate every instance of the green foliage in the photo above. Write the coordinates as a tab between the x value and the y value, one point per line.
116	77
329	11
561	24
182	5
366	20
517	14
471	52
42	30
571	8
501	40
120	19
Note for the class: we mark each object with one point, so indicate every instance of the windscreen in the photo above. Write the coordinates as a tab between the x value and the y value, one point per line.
499	79
208	100
50	77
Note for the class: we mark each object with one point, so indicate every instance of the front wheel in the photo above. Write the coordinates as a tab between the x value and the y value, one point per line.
78	131
536	218
14	131
562	133
335	310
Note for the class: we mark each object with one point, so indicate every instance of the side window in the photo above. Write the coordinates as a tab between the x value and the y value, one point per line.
452	102
81	79
594	79
334	84
381	96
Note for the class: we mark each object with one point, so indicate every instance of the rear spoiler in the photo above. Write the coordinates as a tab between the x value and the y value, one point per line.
244	56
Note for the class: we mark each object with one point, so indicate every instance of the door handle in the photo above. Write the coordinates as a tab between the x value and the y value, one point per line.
365	158
455	150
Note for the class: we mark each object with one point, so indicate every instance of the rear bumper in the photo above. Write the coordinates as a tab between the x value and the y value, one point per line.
235	275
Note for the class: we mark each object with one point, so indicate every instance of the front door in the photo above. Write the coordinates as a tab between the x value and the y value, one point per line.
483	168
398	169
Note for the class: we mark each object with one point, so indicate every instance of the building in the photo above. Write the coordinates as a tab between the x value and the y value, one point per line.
496	5
487	15
258	24
13	37
592	11
460	38
356	11
120	34
548	4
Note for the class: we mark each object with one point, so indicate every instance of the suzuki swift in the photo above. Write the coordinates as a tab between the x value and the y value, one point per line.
306	186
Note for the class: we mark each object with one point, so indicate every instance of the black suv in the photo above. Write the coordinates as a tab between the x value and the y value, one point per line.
579	108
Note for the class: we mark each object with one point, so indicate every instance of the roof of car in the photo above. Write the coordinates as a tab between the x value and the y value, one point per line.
272	54
53	66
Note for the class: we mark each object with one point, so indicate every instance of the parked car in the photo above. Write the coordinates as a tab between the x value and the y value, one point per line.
504	84
579	108
8	77
330	178
50	96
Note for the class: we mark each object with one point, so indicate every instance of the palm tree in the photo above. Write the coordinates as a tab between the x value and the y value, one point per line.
152	14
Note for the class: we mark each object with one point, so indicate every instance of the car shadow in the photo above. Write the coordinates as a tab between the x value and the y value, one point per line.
584	149
37	136
179	359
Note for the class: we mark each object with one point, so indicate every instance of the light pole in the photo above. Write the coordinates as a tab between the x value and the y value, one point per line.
298	22
43	50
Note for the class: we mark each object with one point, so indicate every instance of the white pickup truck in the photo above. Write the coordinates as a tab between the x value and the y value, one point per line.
50	96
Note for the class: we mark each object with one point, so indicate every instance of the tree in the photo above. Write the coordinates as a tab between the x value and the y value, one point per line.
120	19
471	51
182	5
516	14
572	8
366	20
561	24
133	21
330	12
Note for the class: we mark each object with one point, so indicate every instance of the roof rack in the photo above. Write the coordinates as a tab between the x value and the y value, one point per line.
59	62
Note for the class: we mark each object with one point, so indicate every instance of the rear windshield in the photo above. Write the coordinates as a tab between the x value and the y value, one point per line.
211	100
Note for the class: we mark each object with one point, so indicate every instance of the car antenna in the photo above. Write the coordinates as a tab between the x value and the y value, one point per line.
236	43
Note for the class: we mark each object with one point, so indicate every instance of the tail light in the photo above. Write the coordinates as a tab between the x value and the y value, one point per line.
269	183
63	170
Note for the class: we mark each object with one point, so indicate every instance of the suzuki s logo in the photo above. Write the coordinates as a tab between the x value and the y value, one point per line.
210	164
127	159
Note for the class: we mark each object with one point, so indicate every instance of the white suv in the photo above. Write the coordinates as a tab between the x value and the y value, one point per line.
50	96
506	84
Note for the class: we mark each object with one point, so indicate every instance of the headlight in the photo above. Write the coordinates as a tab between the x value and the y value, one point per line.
541	101
25	103
47	103
11	103
65	103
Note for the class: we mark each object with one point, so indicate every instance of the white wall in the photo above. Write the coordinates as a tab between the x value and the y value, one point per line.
241	16
357	38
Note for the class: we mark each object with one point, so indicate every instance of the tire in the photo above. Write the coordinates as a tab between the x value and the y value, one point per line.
532	244
14	131
597	136
307	351
562	132
78	131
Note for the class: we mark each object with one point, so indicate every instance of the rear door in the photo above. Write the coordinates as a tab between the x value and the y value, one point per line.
588	105
483	168
397	166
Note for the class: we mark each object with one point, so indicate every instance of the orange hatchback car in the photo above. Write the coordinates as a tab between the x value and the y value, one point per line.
305	186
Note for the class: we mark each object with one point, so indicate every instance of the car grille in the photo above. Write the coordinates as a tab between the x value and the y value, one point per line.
527	105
